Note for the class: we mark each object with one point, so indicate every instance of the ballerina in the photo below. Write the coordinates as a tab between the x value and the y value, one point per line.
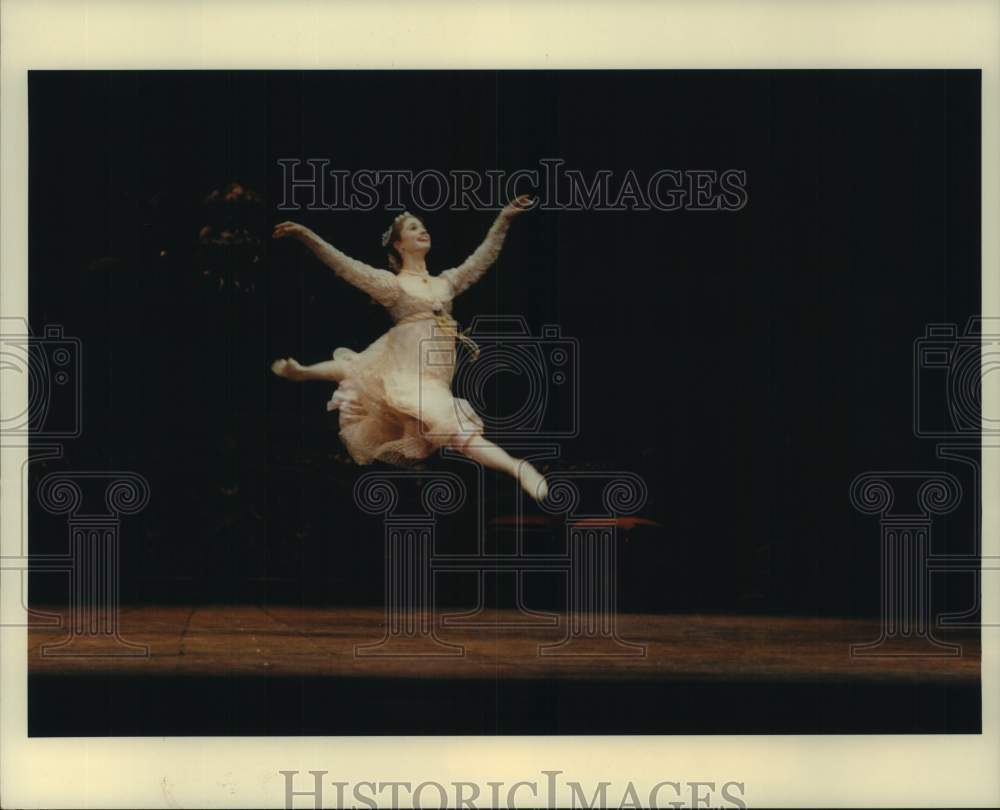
395	398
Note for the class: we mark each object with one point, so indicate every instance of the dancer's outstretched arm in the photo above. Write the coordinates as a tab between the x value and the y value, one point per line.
474	267
379	284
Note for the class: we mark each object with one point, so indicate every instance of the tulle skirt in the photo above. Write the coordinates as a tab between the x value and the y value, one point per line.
394	398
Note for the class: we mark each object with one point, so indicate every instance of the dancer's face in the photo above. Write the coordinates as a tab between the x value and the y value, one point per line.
413	237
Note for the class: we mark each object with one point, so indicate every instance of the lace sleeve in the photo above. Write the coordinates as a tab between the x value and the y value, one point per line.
381	285
473	268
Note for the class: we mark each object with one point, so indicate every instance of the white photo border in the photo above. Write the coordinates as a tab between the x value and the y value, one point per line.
779	770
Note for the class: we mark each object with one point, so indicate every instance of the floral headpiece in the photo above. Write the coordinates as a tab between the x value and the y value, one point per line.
388	231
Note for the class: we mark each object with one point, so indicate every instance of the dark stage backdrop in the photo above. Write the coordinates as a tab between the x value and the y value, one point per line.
747	364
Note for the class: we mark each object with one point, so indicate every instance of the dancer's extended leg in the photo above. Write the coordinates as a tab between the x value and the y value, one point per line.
291	369
490	455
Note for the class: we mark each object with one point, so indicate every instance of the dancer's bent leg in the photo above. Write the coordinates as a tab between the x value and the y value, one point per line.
291	369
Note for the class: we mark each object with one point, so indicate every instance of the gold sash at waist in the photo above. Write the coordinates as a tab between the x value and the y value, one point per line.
448	327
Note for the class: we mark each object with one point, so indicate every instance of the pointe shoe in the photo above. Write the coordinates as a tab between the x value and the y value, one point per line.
288	368
533	482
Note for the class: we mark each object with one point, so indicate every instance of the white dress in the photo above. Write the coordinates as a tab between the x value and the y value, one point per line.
395	398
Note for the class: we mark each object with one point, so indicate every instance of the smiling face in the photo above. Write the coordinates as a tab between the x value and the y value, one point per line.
413	238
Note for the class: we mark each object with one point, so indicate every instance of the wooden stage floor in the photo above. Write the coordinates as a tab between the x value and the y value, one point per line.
278	640
282	669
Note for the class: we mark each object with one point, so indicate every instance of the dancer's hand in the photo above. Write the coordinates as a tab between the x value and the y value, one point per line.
293	229
518	204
